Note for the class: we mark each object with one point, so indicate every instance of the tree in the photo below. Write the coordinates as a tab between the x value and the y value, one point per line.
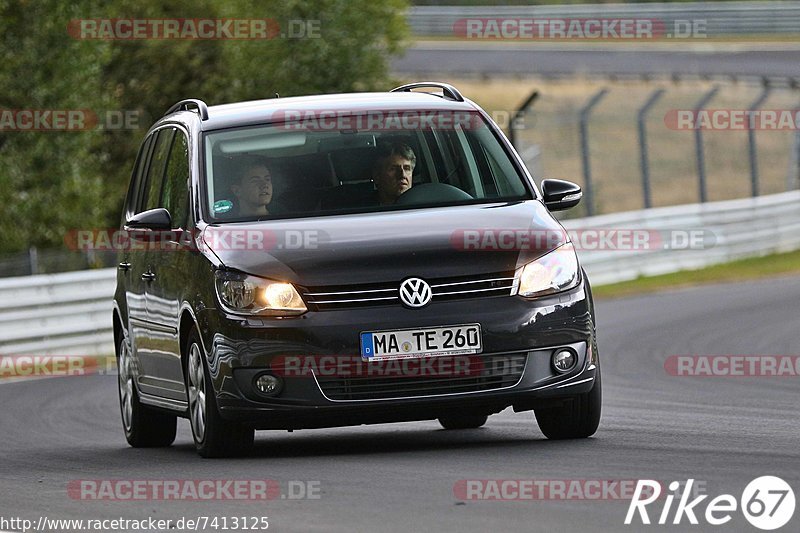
52	182
49	180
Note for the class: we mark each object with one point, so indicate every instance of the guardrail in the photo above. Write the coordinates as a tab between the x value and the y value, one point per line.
70	314
64	314
724	231
721	18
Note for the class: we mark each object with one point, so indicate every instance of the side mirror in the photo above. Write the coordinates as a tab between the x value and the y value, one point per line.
157	219
560	194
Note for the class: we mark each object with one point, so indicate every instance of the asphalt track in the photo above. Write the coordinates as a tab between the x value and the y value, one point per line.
525	59
722	432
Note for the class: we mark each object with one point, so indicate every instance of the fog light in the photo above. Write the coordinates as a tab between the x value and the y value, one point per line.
268	384
564	360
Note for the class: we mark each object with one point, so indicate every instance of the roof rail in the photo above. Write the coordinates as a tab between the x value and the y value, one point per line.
183	105
448	91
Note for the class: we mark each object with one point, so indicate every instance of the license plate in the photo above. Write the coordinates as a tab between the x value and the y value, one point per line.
422	342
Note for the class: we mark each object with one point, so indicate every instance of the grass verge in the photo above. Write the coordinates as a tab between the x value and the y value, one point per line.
742	270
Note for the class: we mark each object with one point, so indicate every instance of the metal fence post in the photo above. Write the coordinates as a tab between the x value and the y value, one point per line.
751	139
698	143
584	132
33	259
512	131
793	175
644	158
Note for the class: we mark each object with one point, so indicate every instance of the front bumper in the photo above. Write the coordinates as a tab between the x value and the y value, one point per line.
240	349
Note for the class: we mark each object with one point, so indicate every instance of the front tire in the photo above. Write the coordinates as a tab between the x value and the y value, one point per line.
144	426
578	419
213	436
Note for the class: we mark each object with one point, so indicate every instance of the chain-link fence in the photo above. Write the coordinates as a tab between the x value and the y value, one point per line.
634	144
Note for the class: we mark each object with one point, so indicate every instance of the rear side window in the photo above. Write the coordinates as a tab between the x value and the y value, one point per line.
175	191
155	174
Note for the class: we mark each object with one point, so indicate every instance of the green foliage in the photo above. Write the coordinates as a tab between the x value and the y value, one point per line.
43	176
350	54
52	182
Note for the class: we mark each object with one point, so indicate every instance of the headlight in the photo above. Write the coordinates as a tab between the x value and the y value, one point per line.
555	272
242	294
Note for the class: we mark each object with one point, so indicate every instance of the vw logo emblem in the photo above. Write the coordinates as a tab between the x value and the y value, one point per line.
415	292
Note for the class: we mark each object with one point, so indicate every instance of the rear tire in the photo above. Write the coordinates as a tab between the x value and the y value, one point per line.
578	419
213	436
463	421
144	426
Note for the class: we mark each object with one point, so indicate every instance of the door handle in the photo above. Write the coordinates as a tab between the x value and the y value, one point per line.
148	276
124	266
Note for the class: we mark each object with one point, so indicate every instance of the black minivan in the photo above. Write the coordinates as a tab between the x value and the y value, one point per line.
346	259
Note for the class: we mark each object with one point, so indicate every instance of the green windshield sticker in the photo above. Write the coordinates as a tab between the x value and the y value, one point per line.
222	206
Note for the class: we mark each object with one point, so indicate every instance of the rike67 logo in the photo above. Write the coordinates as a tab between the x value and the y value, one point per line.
767	502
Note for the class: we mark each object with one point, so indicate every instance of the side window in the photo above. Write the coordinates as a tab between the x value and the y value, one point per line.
449	167
486	170
155	174
505	178
175	192
462	167
490	179
132	200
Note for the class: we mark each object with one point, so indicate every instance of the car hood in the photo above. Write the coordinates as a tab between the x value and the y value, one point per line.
389	246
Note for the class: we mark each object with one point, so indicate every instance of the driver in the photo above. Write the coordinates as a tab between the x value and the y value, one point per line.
393	171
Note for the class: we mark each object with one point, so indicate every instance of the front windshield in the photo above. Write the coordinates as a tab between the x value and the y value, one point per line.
317	164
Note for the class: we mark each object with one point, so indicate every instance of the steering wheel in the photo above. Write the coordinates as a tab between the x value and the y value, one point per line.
426	193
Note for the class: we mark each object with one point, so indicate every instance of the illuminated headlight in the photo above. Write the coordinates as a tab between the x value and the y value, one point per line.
242	294
555	272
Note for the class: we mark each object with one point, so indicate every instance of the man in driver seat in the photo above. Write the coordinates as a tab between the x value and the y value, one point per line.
393	171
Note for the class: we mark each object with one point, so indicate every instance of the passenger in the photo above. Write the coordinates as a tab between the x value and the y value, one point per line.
252	187
393	171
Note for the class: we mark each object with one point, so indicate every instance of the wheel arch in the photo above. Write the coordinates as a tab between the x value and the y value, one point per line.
187	321
118	328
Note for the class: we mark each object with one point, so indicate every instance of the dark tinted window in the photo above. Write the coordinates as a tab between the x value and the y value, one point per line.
374	161
138	175
175	192
155	174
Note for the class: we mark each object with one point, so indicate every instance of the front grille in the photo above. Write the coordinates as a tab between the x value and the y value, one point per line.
474	373
339	297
